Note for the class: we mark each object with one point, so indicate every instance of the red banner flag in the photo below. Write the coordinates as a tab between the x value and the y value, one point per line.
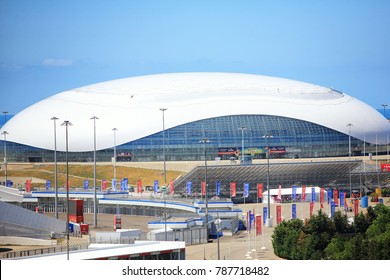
280	193
233	189
68	184
104	184
322	195
311	208
303	193
139	186
203	188
171	188
260	190
356	206
28	186
278	214
258	225
336	197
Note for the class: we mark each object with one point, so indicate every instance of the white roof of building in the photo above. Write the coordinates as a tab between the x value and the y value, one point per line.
132	106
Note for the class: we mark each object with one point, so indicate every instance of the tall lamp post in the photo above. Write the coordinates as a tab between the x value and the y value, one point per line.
349	155
204	141
384	109
67	124
55	166
94	118
242	128
165	167
5	155
115	130
269	222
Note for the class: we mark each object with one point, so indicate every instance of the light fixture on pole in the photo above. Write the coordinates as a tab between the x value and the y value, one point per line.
269	222
384	109
242	128
165	167
67	185
204	141
5	156
115	130
349	155
55	166
94	118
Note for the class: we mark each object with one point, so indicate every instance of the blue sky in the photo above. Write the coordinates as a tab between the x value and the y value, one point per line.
52	46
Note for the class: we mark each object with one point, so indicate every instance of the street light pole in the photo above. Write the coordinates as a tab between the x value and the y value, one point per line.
269	222
204	141
66	124
55	166
349	154
242	128
384	109
94	118
165	167
5	155
114	129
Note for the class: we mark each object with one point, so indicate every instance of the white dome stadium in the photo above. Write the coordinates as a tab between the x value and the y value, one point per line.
132	105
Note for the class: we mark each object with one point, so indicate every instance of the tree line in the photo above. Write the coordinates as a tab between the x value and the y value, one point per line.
366	238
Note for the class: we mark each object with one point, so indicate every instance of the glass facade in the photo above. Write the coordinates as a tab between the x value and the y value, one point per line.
290	138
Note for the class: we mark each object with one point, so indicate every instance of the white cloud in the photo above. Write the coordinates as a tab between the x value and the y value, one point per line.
57	62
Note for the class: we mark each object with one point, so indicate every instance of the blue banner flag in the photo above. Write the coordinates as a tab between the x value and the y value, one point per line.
342	199
8	183
332	209
313	195
188	187
122	185
48	184
329	194
294	193
265	212
294	211
155	186
125	183
113	184
218	192
246	189
86	184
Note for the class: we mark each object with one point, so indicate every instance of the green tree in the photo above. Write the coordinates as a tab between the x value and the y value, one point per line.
285	239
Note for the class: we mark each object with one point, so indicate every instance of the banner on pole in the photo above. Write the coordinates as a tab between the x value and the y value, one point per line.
258	225
113	182
86	184
313	195
280	194
203	186
342	199
278	214
303	193
171	188
329	194
293	193
139	186
311	208
233	189
28	186
104	184
332	209
260	190
265	214
48	184
218	188
188	187
155	186
336	197
246	189
294	211
356	206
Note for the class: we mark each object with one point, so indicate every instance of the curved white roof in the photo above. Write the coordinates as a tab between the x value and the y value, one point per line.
132	106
